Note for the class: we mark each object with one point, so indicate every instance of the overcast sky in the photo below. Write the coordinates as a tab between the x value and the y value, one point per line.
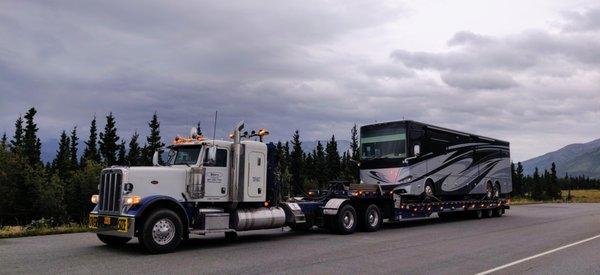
524	71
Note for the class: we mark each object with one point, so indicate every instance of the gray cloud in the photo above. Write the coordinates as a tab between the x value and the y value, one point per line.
279	65
479	81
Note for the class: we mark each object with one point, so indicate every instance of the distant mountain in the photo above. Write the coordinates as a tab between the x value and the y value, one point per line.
575	159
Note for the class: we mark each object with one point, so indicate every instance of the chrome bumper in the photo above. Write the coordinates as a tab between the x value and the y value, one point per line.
113	225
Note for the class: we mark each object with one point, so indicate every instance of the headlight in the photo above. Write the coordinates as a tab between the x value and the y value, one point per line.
131	200
405	179
94	199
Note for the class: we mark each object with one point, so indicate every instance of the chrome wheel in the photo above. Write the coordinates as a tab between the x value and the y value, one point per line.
489	191
373	218
428	190
163	231
348	220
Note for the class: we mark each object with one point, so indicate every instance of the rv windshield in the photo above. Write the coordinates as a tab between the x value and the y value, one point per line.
184	155
388	142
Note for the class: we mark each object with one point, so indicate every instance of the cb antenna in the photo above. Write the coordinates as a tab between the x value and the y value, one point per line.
215	128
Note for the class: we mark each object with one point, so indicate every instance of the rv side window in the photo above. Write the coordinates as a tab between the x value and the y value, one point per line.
221	159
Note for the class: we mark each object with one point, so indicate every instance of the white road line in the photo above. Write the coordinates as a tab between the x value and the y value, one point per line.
536	256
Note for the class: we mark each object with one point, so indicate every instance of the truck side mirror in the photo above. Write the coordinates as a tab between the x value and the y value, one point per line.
211	155
155	158
417	149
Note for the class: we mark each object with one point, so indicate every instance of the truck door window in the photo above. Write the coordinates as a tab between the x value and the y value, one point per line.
221	160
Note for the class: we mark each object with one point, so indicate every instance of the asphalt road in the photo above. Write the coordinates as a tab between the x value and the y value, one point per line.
418	247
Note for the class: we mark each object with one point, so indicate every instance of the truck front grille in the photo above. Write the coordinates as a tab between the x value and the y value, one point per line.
111	187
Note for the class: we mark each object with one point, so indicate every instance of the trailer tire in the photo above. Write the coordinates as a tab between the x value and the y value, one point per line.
162	232
345	220
477	214
372	220
113	240
498	212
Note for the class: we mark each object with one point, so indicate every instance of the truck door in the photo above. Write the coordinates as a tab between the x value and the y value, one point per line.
216	177
256	180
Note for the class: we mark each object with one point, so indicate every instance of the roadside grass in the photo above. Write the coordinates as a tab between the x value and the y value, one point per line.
577	196
24	231
583	196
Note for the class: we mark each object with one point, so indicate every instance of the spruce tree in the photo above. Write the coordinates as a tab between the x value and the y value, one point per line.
108	141
296	163
4	141
134	153
355	154
16	144
153	140
520	180
333	159
554	187
537	191
62	161
91	145
73	148
32	147
321	165
122	154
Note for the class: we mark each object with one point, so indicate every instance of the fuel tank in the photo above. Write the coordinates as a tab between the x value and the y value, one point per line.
258	218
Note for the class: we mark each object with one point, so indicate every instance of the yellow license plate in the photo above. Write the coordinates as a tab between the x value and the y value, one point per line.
107	220
93	221
122	225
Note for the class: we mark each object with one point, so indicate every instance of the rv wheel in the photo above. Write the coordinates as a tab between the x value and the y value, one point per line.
489	191
497	191
428	190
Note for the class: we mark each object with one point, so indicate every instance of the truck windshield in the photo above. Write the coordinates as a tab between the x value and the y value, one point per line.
385	142
184	155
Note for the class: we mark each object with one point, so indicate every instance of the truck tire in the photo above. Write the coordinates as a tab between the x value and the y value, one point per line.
372	220
345	221
162	232
113	240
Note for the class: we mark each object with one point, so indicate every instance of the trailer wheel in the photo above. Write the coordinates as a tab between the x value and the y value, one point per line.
113	240
345	222
372	218
498	212
162	232
488	213
478	214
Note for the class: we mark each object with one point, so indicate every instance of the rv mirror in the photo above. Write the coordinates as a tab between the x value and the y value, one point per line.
417	149
155	158
211	155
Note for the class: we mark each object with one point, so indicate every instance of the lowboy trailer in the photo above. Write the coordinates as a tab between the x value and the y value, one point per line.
408	170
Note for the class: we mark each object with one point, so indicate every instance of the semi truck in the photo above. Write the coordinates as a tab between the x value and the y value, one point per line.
408	170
